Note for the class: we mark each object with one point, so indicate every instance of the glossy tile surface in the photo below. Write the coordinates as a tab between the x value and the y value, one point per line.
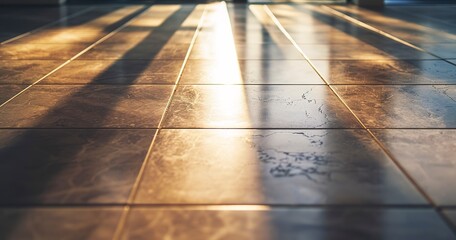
125	72
227	121
387	72
250	72
69	223
70	166
25	71
424	154
136	51
87	107
39	51
402	106
257	107
272	167
286	224
8	91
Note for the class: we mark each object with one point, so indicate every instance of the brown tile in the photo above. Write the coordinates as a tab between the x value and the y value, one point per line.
70	166
61	36
428	156
136	51
125	72
387	72
402	106
258	107
25	71
250	72
272	167
8	91
317	224
58	223
40	51
151	37
69	106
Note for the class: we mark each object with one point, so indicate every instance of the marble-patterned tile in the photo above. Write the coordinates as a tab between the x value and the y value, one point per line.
39	51
90	106
364	51
272	167
58	223
249	52
56	166
451	215
428	156
275	224
257	106
25	71
430	106
250	72
139	51
125	72
8	91
387	71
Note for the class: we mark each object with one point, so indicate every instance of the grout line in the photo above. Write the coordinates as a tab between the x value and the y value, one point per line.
220	128
249	206
135	187
381	32
47	25
233	84
137	13
395	161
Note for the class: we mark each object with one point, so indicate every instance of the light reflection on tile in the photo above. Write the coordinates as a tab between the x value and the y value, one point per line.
251	72
387	71
402	106
272	167
314	223
49	223
260	106
25	71
428	157
125	72
70	166
57	106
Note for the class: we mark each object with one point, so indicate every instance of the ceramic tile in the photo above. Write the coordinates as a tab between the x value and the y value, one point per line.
53	106
25	71
249	52
70	166
402	106
318	224
272	167
126	72
387	72
257	107
62	223
249	72
427	156
8	91
39	51
140	51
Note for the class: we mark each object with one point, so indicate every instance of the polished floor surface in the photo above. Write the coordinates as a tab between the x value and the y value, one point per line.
222	121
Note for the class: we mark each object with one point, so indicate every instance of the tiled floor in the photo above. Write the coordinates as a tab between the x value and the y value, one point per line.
222	121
